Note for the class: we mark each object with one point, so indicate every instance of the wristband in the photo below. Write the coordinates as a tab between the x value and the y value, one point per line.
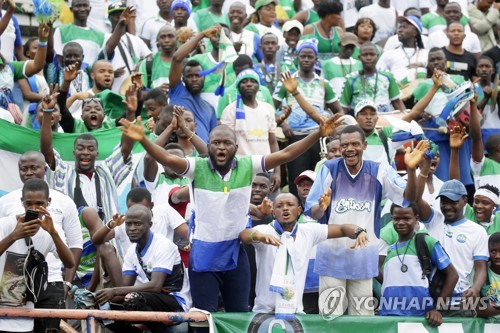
108	224
48	110
251	235
358	231
42	44
295	93
68	284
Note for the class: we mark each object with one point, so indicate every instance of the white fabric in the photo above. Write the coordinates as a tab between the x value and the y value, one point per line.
259	123
161	256
7	40
11	277
396	61
355	290
487	193
64	214
6	115
160	193
402	5
464	242
247	38
439	39
144	10
151	27
273	29
350	13
98	18
307	236
393	42
249	9
384	18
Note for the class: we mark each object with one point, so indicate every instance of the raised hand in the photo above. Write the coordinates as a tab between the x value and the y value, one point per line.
179	119
290	83
413	158
266	206
71	72
137	79
50	100
46	223
361	240
131	130
117	220
25	229
131	100
11	4
325	199
327	126
43	32
457	136
128	14
151	124
212	31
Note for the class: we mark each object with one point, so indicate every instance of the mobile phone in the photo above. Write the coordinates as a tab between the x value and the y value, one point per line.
31	215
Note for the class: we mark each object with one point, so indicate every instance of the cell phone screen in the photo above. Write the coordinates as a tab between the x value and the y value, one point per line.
30	215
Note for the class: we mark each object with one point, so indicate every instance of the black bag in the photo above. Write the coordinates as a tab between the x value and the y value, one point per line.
173	282
424	257
35	272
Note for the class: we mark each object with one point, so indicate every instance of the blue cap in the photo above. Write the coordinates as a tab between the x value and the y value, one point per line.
311	43
186	4
413	20
453	190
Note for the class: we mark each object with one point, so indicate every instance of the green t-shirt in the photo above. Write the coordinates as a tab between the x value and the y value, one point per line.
312	17
230	93
160	71
491	290
14	69
355	54
380	87
80	127
491	227
424	86
287	5
334	68
432	20
201	5
212	81
205	19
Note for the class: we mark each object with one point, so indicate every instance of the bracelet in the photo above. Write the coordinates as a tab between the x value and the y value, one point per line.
48	110
42	44
68	284
295	93
423	176
251	235
192	135
108	224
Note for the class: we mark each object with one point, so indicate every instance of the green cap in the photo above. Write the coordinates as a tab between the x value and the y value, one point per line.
261	3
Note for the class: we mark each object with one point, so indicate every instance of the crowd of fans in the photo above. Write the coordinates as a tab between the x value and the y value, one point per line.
347	144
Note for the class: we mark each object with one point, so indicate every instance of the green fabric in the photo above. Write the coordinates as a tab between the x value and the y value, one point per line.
410	248
309	91
490	229
70	33
205	19
431	19
18	69
80	127
159	73
201	5
332	70
355	54
287	5
212	81
181	181
263	95
251	27
327	47
426	85
207	179
312	17
112	103
389	235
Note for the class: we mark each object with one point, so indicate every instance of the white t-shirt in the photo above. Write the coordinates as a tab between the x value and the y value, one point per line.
308	235
98	18
259	123
64	214
159	255
165	221
397	60
132	45
350	13
8	39
144	10
402	5
152	26
12	275
393	42
464	241
384	18
439	39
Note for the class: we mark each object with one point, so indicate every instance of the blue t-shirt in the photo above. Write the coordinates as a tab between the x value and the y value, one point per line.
204	113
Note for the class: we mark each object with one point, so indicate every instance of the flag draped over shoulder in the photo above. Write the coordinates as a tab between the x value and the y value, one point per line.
16	140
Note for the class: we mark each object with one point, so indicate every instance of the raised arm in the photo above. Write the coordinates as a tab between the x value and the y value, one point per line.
475	132
67	121
457	139
48	104
150	164
36	65
131	103
120	30
290	84
298	148
198	143
183	51
420	106
425	210
412	160
4	22
136	133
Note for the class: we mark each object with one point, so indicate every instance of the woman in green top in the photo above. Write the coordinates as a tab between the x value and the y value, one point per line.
327	30
309	16
365	29
207	17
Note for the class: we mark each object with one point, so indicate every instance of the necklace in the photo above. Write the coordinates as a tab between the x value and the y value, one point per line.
344	73
404	267
365	83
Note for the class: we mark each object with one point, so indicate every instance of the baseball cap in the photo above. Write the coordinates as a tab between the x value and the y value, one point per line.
289	25
116	6
261	3
366	103
306	174
348	38
413	20
452	189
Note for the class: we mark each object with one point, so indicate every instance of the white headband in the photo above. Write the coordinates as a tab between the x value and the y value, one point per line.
490	195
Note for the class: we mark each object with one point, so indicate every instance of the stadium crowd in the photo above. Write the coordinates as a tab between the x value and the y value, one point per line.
271	151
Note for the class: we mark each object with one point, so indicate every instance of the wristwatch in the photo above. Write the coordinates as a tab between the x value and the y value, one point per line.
358	231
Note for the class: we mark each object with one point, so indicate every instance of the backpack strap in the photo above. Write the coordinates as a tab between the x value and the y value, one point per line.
384	139
149	71
423	254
